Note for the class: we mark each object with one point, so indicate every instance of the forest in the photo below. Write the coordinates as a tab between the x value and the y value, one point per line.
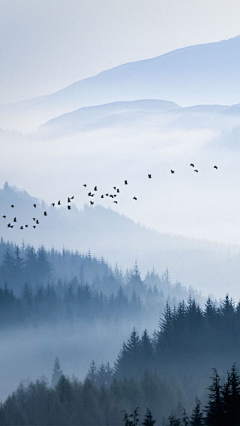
163	372
39	286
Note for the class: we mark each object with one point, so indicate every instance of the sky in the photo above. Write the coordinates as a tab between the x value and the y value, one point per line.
46	45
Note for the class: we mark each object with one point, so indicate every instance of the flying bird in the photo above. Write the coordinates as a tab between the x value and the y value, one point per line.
215	167
53	204
21	227
196	170
135	198
26	226
192	165
9	225
91	202
95	188
15	219
172	171
72	197
102	196
84	185
115	202
69	207
34	226
37	222
118	190
68	200
34	218
34	205
12	206
114	187
45	213
4	217
150	176
59	203
126	182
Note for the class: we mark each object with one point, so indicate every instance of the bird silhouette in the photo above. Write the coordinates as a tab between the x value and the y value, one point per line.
102	196
172	171
115	202
95	188
21	227
215	167
107	195
126	182
69	207
114	187
37	222
4	217
192	165
34	226
135	198
45	213
15	219
12	206
118	190
34	218
84	185
196	170
150	176
59	203
9	225
91	202
34	205
26	226
68	200
53	204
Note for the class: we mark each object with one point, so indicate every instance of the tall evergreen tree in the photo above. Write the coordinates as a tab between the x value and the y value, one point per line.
57	372
148	420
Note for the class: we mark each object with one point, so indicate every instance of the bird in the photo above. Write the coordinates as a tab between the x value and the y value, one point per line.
37	222
68	200
92	195
91	202
26	226
126	182
15	219
34	205
114	187
34	218
4	217
192	165
59	203
196	170
107	195
21	227
135	198
9	225
118	190
115	195
34	226
115	202
53	204
95	188
215	167
111	196
45	213
85	185
69	207
102	196
172	171
12	206
150	176
72	197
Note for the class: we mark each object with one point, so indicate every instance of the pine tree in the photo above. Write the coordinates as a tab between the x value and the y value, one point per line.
173	421
214	410
148	420
92	372
197	416
57	372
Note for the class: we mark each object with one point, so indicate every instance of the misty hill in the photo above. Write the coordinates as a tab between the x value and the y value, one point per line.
208	267
108	115
144	112
202	74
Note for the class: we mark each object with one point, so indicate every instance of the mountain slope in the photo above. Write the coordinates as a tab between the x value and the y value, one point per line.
209	267
207	73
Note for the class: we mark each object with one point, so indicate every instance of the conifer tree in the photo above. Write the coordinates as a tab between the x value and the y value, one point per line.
148	420
173	421
57	372
214	409
197	416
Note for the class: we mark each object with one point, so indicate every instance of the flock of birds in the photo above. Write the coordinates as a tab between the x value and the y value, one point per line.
90	194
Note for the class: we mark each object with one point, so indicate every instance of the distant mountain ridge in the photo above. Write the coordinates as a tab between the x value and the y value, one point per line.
201	74
206	266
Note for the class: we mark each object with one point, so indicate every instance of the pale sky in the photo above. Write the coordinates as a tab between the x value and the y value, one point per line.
46	45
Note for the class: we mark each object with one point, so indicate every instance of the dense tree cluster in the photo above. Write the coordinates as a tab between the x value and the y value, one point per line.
37	285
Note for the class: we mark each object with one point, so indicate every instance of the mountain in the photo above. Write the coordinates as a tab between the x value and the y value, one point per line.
202	74
206	266
108	115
